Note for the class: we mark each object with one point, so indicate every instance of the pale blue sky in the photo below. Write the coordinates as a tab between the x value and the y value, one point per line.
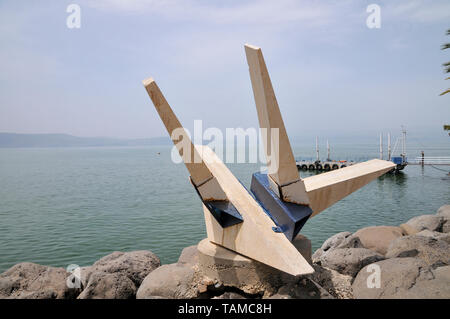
331	74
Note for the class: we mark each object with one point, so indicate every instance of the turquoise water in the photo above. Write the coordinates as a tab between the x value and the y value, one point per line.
74	205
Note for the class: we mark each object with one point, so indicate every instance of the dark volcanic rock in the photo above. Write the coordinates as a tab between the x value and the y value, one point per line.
338	285
335	240
136	265
352	241
108	286
33	281
444	213
329	244
435	234
303	288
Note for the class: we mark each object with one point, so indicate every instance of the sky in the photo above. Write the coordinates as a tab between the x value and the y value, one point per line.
332	74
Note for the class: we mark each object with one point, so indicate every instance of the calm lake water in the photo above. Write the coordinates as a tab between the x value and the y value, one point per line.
75	205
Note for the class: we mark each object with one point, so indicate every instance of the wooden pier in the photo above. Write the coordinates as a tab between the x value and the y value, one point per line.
322	165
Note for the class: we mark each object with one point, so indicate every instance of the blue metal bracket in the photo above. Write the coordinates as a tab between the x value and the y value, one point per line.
289	217
223	211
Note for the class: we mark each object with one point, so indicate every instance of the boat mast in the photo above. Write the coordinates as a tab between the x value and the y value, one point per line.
389	146
328	151
404	143
317	148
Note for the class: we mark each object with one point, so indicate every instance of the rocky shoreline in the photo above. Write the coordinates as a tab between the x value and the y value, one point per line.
412	260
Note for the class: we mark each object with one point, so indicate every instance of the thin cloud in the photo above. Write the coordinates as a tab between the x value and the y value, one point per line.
419	11
311	13
250	12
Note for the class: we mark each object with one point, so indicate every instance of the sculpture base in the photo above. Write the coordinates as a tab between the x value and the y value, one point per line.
228	268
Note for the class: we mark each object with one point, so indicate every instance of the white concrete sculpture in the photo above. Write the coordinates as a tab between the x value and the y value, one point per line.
263	224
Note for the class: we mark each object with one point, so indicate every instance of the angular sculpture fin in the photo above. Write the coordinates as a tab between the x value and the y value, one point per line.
325	189
199	172
284	177
320	191
203	181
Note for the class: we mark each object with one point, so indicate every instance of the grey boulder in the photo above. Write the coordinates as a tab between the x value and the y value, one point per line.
430	222
349	261
135	265
352	241
378	238
335	240
402	278
434	234
173	281
432	251
329	244
444	213
108	286
32	281
408	229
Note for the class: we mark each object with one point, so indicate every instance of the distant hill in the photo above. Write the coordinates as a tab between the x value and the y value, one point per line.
65	140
